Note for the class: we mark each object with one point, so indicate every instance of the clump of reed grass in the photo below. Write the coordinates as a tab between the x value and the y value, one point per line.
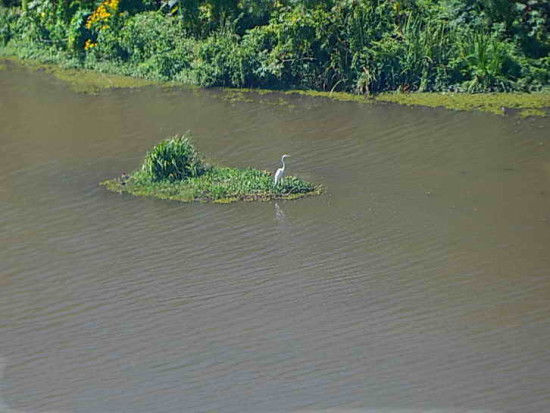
173	169
173	159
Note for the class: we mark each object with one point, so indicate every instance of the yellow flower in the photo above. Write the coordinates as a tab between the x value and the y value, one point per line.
102	13
89	44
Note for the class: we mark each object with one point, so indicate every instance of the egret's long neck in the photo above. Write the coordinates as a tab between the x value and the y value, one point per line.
283	162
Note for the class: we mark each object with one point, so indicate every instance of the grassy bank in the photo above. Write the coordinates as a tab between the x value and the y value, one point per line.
174	170
361	47
93	81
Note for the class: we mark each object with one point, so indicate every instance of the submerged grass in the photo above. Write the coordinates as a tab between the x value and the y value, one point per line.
206	183
87	81
81	80
526	104
525	113
497	103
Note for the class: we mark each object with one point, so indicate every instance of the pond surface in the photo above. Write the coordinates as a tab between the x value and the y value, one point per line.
419	282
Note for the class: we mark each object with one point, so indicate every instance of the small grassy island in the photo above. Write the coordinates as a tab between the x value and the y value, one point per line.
173	169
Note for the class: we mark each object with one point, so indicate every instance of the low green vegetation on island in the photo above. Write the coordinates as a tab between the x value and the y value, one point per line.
173	169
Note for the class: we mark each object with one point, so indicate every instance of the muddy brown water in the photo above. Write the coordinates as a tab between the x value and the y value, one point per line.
419	282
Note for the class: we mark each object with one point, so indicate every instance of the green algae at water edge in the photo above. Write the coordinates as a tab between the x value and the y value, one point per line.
174	170
87	81
497	103
82	80
258	96
339	96
526	104
525	113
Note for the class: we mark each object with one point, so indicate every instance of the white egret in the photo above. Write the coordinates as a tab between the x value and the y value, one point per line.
281	171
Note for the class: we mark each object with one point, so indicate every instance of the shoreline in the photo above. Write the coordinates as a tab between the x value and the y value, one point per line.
85	80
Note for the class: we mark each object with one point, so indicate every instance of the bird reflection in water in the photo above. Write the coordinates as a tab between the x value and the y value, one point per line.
280	215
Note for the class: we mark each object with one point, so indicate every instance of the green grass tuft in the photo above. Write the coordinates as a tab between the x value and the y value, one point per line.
173	159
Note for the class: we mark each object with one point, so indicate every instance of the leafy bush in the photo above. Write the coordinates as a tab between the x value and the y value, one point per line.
486	62
77	33
224	60
8	24
173	159
154	45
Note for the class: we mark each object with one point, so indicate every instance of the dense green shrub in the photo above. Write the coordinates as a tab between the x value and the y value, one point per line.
221	61
173	159
8	25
